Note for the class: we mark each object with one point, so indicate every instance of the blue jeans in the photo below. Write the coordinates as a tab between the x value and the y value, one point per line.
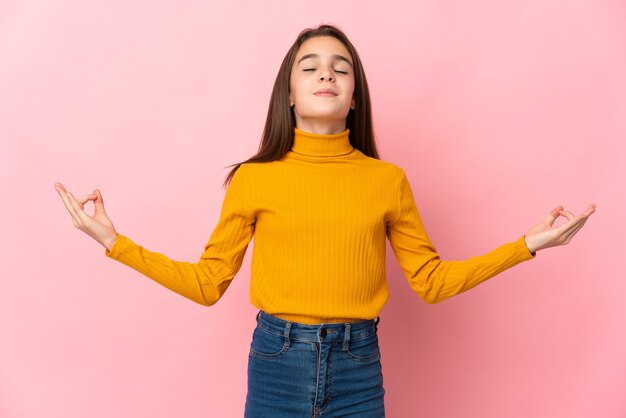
323	370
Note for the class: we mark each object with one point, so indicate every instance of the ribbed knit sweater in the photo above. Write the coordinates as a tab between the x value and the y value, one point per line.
320	218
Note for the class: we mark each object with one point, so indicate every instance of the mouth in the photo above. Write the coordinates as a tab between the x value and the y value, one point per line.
325	93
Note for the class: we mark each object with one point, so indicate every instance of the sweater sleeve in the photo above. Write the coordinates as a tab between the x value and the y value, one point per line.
433	279
205	281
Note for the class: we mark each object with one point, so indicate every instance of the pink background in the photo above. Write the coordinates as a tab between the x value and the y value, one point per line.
498	112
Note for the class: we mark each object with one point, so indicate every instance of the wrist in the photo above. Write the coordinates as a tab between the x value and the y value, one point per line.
110	241
530	245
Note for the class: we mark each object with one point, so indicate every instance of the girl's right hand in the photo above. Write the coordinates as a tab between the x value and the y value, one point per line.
98	226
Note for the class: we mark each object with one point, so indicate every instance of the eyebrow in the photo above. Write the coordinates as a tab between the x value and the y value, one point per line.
335	57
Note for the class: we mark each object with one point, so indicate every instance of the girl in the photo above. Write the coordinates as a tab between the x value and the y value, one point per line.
320	204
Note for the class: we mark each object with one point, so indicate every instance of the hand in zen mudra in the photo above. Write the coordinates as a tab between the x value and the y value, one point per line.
98	226
544	235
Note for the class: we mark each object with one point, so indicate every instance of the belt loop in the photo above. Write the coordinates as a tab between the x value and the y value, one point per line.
346	337
377	321
257	317
287	329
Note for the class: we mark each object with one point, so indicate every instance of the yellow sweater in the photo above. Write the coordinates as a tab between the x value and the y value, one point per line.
319	217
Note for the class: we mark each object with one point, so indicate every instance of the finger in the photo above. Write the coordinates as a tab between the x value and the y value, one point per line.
553	215
570	234
556	210
80	213
99	202
85	198
61	191
569	215
570	225
68	204
58	186
590	209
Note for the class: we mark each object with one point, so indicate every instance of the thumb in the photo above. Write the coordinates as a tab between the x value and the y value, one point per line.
554	214
99	202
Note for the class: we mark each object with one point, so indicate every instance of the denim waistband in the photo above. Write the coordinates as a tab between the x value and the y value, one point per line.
317	332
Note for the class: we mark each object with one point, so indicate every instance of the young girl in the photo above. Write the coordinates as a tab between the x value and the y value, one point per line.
320	204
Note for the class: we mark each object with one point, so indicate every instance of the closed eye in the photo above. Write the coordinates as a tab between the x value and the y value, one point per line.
337	71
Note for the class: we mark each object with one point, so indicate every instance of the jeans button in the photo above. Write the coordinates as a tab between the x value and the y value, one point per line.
323	332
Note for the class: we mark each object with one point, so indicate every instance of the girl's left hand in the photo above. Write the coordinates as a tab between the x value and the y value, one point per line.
543	235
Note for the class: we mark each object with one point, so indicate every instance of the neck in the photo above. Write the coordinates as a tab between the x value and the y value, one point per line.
321	127
321	145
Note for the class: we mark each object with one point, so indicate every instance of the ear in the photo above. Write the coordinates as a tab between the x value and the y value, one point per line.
290	101
353	104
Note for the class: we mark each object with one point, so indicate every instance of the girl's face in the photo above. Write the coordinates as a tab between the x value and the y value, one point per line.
322	85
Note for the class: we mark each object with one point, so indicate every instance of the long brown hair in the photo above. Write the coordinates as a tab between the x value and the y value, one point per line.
278	134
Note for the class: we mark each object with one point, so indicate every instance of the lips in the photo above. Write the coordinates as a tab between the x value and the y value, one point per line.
325	92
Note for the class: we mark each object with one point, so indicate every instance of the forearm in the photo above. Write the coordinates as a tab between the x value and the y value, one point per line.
187	279
439	280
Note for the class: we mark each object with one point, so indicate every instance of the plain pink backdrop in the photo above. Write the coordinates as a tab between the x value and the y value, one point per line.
498	111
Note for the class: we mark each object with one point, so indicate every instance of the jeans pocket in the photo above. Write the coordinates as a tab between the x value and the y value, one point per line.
364	350
266	345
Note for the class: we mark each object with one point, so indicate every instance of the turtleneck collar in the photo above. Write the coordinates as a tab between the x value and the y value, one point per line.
321	145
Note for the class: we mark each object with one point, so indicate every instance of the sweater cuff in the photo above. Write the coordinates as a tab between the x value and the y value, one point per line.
524	248
121	242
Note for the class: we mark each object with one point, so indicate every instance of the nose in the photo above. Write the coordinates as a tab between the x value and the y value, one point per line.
326	76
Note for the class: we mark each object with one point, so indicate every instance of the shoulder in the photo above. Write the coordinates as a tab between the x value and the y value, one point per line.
241	177
254	174
252	171
386	168
249	170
